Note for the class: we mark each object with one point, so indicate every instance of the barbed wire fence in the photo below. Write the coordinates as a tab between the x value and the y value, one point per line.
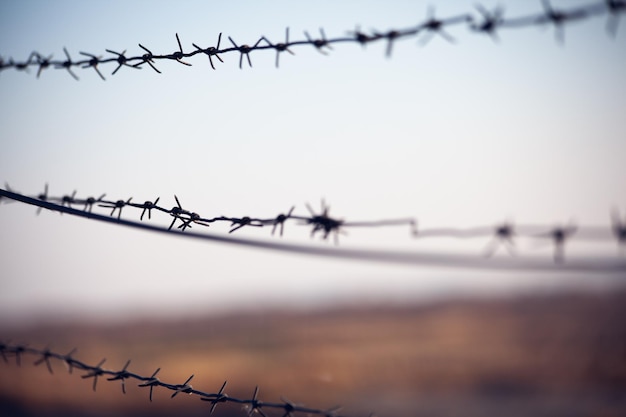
253	404
502	235
480	21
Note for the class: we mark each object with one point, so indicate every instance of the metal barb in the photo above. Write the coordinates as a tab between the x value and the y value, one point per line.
559	235
68	199
44	62
491	21
45	358
433	26
391	36
254	405
503	236
184	388
116	206
121	376
193	218
95	372
178	55
320	42
90	201
281	219
147	58
43	197
211	51
322	222
152	382
556	18
280	47
93	63
68	64
245	50
177	212
244	221
122	60
220	397
289	407
360	37
69	361
147	208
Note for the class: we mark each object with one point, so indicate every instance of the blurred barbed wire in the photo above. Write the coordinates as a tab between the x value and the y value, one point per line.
252	405
502	235
479	21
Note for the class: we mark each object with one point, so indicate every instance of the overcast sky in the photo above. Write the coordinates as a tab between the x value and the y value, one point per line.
461	135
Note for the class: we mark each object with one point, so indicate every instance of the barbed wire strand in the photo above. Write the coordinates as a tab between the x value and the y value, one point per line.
252	404
480	21
502	235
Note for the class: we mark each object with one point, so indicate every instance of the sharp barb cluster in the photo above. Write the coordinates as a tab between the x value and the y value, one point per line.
151	382
211	51
122	375
94	372
479	20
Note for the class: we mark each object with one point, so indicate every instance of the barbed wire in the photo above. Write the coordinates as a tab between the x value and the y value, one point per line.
480	21
252	405
502	235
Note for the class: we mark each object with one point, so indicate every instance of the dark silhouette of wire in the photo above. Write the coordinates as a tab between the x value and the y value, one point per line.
479	21
253	404
326	225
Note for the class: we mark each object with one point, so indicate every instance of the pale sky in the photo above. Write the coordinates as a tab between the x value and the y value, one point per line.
461	135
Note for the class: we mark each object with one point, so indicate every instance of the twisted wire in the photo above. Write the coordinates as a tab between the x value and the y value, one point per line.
502	235
252	404
480	21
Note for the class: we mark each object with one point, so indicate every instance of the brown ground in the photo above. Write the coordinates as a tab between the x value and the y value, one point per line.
559	355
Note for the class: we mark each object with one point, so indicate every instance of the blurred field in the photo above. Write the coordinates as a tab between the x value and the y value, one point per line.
549	355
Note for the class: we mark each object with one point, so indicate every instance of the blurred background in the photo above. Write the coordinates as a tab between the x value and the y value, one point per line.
456	135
